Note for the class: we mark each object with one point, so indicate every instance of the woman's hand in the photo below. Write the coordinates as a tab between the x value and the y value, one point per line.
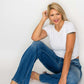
62	81
45	15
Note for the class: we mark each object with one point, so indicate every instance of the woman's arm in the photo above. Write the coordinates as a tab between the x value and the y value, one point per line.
67	58
68	54
38	30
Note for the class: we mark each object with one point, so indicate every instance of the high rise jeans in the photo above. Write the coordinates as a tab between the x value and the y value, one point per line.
54	63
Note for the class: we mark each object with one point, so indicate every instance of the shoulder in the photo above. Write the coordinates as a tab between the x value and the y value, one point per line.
69	23
47	27
70	27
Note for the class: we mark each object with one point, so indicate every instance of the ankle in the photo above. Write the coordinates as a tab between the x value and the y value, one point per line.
35	75
38	77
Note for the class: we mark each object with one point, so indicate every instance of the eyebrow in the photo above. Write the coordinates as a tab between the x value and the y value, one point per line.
56	13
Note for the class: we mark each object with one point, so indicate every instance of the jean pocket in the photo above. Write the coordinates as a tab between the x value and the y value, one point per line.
76	63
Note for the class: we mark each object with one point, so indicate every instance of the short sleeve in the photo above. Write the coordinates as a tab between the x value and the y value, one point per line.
47	29
70	28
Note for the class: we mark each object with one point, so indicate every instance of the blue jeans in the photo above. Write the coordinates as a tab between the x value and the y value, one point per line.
54	63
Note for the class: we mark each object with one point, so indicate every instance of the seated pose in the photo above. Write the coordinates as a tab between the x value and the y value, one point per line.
61	59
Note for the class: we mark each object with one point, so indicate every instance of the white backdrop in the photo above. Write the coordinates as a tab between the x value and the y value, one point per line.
18	19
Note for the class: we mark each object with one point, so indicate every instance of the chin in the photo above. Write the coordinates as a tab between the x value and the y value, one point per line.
56	23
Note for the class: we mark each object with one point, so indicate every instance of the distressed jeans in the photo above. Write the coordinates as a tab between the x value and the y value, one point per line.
54	63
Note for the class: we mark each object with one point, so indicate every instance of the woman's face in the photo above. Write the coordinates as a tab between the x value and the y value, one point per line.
55	16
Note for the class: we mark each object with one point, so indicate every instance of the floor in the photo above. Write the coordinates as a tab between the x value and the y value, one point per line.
35	82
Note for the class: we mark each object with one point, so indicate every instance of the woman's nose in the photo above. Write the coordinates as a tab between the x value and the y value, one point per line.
55	17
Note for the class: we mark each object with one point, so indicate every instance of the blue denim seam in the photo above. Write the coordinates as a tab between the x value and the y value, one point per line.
60	60
48	55
30	68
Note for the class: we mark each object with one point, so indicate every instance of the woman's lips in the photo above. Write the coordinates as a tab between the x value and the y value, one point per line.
55	20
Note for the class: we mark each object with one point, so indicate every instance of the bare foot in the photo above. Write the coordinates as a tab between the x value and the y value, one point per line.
35	75
13	82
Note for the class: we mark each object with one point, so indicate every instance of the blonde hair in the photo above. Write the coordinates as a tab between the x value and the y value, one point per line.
56	6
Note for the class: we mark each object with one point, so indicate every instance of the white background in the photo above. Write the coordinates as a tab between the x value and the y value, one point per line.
18	19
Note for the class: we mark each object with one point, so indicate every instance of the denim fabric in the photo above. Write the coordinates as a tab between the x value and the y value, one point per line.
54	63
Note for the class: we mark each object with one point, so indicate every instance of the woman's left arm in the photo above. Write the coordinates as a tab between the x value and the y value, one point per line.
67	58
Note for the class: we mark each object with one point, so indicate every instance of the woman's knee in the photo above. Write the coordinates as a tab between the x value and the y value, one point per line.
36	43
73	78
32	47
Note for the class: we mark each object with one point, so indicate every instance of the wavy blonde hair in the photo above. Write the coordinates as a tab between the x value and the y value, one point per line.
56	6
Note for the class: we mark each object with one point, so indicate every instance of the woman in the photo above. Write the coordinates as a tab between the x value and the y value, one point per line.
62	59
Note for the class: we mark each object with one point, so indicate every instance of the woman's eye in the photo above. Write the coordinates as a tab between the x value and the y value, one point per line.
51	15
57	14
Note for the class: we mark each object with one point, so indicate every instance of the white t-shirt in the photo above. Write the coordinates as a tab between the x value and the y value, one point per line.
58	39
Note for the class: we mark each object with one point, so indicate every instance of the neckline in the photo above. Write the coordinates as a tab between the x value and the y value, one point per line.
60	29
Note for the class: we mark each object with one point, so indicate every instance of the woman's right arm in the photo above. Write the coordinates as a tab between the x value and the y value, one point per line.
39	33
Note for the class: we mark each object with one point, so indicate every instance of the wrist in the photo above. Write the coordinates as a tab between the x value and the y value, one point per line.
43	19
64	77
